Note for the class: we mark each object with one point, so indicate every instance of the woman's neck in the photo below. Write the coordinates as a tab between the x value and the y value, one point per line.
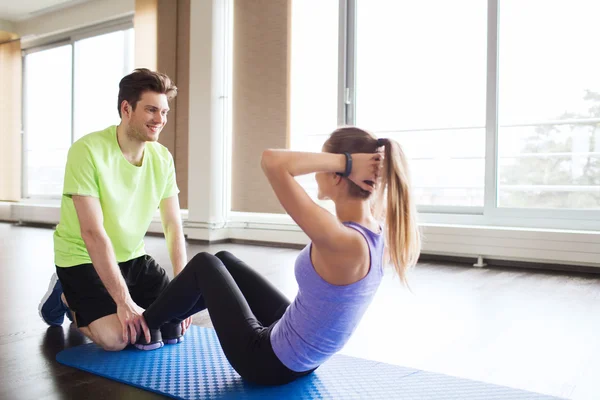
356	210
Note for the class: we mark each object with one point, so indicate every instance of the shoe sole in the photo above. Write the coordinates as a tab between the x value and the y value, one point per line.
173	341
147	347
53	281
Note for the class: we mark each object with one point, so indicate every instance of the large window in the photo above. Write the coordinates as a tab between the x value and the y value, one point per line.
496	103
549	104
47	112
420	79
70	90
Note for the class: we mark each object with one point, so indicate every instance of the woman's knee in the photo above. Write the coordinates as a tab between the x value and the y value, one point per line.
204	260
203	264
223	255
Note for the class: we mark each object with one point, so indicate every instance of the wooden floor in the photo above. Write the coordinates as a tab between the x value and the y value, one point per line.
530	330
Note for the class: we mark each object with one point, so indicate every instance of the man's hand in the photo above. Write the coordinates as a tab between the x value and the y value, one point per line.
132	321
185	324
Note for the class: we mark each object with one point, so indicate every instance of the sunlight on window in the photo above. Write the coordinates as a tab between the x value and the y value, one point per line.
100	63
47	119
51	120
314	77
421	79
549	104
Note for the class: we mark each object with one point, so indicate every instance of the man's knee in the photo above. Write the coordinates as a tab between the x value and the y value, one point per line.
107	333
111	342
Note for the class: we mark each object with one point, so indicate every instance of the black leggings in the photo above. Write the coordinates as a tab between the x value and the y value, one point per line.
243	307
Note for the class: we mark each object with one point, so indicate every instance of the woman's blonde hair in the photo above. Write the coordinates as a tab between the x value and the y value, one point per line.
392	201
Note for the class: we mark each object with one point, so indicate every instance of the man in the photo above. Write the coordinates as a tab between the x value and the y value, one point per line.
115	180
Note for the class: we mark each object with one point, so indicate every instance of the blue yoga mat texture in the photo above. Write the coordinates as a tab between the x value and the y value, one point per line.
198	369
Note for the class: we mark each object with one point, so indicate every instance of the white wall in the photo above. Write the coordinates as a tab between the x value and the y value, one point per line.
78	16
6	26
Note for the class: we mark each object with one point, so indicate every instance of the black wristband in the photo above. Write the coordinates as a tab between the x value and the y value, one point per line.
348	166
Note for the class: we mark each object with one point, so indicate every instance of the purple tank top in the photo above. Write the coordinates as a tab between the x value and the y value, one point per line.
323	316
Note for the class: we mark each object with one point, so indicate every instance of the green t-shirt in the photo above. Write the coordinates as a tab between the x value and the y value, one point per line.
129	195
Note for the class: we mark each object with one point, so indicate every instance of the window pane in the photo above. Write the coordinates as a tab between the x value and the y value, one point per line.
421	78
550	166
100	63
314	77
441	178
549	75
47	119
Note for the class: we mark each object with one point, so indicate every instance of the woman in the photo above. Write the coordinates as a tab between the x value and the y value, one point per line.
267	339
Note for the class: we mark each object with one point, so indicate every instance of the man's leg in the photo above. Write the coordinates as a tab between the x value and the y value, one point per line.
106	332
69	313
51	308
146	280
101	331
94	310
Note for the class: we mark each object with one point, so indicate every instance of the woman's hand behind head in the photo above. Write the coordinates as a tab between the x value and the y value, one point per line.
366	170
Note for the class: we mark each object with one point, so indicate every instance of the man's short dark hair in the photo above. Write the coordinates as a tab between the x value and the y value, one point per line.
142	80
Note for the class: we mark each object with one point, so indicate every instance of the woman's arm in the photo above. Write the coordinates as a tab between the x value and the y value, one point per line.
323	228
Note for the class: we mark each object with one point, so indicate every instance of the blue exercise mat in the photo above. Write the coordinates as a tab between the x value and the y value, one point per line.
198	369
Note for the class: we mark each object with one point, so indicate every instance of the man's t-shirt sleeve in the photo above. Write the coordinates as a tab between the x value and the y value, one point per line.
171	188
80	172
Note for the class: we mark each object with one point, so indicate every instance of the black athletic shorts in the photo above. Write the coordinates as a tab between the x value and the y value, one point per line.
89	299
